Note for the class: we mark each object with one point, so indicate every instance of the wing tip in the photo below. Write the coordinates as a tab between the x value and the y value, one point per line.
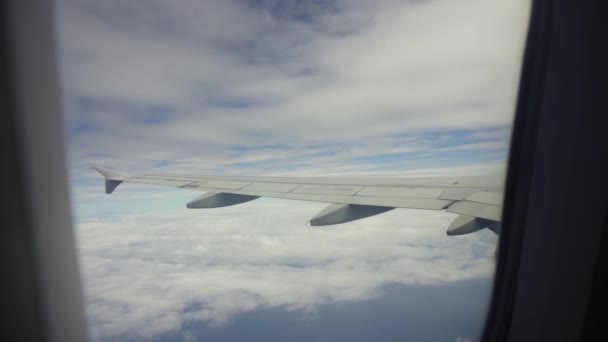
112	178
108	174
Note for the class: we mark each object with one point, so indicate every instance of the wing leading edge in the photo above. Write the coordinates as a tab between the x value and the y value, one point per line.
478	200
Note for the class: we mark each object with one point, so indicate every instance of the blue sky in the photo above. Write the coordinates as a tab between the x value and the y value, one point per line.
300	88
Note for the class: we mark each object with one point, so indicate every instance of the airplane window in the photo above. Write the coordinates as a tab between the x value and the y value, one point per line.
374	138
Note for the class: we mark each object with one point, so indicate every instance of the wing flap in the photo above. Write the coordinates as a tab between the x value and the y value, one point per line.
487	197
385	191
457	194
395	202
319	189
271	187
486	211
224	185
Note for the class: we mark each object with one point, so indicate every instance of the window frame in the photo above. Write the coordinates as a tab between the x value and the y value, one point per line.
546	264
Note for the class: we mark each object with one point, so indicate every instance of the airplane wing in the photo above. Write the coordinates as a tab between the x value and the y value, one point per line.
478	200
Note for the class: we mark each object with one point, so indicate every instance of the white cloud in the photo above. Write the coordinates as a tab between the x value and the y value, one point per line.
147	274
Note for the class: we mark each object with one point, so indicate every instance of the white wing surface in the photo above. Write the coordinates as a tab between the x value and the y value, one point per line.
478	200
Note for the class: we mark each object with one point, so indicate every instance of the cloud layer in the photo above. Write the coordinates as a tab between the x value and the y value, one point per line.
263	86
150	273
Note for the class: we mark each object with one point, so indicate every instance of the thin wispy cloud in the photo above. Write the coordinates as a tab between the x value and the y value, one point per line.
186	80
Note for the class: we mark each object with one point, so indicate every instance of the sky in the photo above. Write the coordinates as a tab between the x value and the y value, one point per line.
290	88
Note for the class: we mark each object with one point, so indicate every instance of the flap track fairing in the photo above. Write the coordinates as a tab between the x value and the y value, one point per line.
212	200
464	224
341	213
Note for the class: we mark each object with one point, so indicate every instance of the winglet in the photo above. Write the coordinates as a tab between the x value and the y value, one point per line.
112	179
